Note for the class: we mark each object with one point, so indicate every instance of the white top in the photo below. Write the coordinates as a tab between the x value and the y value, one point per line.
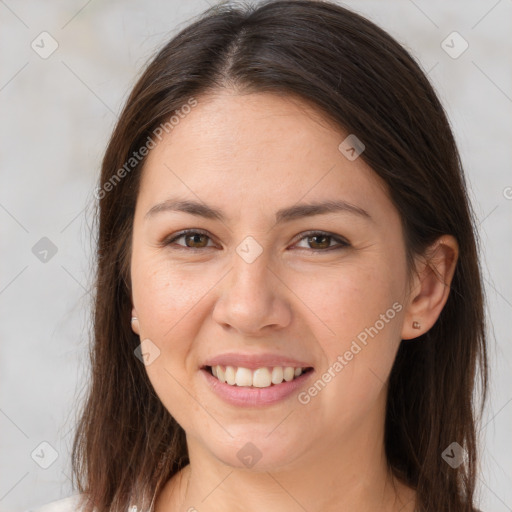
69	504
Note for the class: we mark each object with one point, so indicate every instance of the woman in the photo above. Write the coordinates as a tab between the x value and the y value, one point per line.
289	306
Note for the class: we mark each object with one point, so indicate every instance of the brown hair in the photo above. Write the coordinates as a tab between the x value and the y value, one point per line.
127	444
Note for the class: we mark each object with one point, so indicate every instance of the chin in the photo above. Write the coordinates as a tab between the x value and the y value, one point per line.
258	450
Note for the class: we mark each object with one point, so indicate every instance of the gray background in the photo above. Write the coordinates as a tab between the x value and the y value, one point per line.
56	116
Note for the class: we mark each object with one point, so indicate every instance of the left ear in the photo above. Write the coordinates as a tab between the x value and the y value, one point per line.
430	287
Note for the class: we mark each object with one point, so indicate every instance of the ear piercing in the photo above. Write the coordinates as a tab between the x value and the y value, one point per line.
134	318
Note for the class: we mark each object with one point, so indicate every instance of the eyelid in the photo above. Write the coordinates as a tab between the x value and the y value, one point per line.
342	242
170	239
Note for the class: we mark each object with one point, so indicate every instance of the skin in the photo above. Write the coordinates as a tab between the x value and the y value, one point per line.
249	156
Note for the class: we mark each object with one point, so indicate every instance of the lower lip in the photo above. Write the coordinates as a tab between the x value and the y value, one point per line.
243	396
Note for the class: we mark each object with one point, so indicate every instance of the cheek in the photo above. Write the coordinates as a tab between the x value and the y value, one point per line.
357	318
163	296
167	303
348	299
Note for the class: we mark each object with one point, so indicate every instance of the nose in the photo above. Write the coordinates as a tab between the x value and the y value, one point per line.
253	299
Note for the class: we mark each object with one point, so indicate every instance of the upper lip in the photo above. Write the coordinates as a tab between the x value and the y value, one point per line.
254	361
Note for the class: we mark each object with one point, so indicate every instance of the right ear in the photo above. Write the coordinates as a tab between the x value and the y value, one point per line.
135	322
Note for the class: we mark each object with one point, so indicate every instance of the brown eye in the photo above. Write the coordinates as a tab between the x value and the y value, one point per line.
319	241
193	240
322	242
196	240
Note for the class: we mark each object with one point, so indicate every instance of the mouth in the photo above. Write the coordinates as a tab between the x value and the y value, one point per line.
263	377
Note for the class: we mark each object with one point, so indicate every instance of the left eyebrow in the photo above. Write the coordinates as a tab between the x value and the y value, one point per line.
320	208
284	215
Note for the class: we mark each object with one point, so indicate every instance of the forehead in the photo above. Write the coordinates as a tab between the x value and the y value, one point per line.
242	151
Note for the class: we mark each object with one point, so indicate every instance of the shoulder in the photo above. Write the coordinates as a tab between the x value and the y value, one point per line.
69	504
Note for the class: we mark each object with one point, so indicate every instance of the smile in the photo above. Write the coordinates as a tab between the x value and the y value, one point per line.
263	377
259	387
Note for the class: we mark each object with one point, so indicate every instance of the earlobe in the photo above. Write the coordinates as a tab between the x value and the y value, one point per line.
135	322
431	287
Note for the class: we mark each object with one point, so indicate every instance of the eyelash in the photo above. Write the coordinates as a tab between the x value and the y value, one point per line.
308	234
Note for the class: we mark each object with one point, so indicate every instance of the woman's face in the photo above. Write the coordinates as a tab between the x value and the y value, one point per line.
267	282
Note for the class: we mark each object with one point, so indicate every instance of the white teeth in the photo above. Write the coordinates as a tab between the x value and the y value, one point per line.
261	378
288	373
243	377
277	375
258	378
230	375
